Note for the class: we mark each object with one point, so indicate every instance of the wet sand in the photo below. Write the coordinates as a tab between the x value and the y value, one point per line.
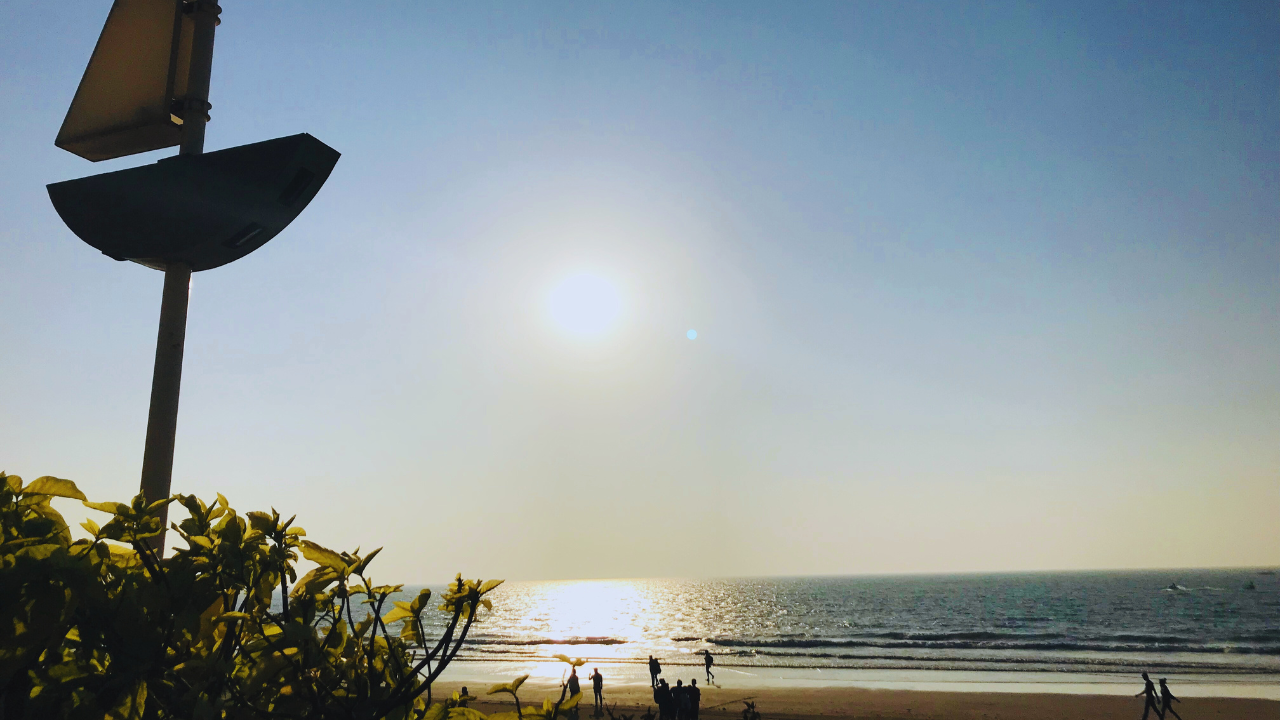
842	702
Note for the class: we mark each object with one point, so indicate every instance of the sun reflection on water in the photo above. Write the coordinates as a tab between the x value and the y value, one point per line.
602	613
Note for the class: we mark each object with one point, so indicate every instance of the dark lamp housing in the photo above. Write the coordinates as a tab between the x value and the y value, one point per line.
204	210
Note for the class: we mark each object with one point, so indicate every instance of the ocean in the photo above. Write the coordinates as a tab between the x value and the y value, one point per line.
1203	622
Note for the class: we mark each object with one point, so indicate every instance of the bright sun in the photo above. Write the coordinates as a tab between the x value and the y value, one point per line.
584	304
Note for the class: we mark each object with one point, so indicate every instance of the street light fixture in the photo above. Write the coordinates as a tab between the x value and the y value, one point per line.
147	87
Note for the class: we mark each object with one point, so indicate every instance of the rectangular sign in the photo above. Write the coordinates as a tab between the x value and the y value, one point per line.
125	101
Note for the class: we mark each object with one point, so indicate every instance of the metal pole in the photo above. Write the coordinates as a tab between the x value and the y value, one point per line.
162	422
166	381
195	108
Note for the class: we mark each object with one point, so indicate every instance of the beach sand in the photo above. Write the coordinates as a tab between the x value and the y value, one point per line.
841	702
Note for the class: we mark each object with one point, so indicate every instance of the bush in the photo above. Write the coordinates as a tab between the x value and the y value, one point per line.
107	628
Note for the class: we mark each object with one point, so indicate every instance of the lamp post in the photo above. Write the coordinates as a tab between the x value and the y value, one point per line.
147	87
166	378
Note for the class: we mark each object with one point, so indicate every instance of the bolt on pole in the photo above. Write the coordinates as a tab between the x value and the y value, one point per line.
166	380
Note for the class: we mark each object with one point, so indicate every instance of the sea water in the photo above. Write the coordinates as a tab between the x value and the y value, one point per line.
1222	624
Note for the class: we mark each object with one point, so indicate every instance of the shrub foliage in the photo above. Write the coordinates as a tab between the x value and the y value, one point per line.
106	628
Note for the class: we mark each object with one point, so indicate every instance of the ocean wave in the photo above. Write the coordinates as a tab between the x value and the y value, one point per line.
547	641
1029	663
997	641
1255	644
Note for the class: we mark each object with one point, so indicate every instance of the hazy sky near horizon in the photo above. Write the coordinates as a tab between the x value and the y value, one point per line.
975	286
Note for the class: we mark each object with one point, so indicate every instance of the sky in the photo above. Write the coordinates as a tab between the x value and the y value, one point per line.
975	287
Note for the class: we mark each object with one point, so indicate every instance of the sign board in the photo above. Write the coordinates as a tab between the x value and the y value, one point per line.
126	100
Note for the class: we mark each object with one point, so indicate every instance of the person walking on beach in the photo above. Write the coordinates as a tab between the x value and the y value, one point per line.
1167	700
708	661
695	697
654	670
1149	691
597	686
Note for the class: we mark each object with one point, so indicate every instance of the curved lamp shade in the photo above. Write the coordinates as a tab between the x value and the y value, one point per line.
205	210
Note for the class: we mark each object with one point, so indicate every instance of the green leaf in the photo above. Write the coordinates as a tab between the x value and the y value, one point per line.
49	485
91	527
399	612
131	704
233	615
510	687
323	556
576	662
260	521
360	566
113	508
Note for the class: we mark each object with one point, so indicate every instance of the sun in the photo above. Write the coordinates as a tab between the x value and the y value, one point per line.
584	304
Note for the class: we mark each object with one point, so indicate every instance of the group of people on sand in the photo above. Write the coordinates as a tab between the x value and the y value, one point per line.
674	703
1161	702
682	701
597	686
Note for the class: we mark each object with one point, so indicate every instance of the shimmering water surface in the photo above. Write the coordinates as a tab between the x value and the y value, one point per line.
1198	621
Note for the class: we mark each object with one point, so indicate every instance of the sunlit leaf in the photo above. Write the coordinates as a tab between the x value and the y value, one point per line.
113	508
49	485
510	687
360	566
323	556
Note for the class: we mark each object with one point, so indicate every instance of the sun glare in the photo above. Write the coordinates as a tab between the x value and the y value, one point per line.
584	305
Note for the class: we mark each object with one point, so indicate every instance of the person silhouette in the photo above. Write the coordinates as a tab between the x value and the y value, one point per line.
574	687
709	661
1167	700
654	670
462	701
695	697
1149	691
597	686
666	703
680	694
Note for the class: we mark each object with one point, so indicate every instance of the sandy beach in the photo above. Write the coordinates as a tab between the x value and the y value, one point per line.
839	702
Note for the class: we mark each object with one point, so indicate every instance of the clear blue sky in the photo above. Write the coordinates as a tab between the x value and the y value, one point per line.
976	287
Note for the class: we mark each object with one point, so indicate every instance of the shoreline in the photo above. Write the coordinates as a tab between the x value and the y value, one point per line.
631	680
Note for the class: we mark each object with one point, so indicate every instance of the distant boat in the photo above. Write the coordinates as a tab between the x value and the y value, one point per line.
1250	586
